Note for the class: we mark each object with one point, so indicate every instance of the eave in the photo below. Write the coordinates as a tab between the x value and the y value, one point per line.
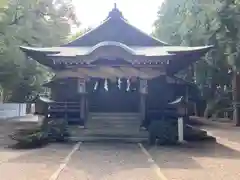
184	59
175	58
40	56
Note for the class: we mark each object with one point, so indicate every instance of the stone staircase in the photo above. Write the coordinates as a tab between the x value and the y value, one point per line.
111	126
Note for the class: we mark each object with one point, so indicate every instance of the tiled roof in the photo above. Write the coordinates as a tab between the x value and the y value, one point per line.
116	28
116	32
137	50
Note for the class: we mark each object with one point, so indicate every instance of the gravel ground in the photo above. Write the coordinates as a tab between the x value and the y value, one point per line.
108	161
118	161
199	161
37	164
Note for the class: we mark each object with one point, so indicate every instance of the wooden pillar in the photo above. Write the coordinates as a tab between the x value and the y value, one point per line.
142	106
182	112
180	130
82	107
82	91
86	106
187	99
143	92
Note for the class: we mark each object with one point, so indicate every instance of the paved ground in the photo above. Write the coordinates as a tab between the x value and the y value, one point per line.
108	161
117	161
32	165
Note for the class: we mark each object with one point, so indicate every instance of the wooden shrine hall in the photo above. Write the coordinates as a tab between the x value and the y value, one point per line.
115	68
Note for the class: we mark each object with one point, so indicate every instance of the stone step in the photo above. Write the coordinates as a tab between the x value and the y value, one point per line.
113	124
109	139
117	128
119	124
110	121
115	114
113	121
109	132
114	118
135	126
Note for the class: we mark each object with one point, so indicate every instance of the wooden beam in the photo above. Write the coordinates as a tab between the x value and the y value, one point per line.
110	72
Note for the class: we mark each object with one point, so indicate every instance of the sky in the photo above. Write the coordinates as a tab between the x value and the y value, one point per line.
140	13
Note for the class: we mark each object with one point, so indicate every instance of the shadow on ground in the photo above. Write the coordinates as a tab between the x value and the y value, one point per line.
182	157
52	154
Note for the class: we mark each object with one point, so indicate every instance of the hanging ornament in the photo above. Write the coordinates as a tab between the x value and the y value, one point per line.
96	85
105	84
109	84
119	83
128	84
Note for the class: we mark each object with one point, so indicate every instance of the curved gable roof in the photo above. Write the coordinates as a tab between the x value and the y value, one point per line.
119	30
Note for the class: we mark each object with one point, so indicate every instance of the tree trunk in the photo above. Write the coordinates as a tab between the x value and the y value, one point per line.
236	98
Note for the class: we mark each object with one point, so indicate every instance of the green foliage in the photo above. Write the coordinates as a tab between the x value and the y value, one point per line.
164	130
29	138
200	22
51	130
79	34
29	23
56	129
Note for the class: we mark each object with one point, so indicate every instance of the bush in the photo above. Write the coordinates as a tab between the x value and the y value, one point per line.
165	131
52	130
29	138
56	129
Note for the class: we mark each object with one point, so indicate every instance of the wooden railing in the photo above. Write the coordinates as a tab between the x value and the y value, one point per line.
55	107
68	110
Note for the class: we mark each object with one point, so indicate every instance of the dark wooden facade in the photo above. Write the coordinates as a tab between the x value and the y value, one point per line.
116	49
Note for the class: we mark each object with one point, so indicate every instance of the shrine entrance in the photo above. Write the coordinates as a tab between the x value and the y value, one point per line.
116	70
113	96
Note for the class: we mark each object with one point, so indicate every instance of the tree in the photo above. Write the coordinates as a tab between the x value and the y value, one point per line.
79	33
30	23
198	22
3	3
